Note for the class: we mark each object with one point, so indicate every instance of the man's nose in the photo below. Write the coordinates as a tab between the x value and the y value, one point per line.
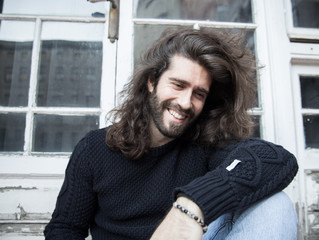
185	100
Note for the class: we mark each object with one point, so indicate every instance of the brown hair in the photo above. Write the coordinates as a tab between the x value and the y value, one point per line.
224	117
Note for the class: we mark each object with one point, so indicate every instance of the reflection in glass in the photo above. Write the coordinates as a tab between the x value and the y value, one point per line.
12	132
305	13
311	128
54	133
208	10
70	69
15	63
54	8
309	92
145	35
256	133
70	74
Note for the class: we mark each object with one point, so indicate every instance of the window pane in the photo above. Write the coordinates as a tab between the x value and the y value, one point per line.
54	133
311	128
15	62
145	35
309	92
208	10
54	8
12	132
305	13
70	65
256	131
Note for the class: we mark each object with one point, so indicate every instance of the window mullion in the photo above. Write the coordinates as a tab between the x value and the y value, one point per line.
28	137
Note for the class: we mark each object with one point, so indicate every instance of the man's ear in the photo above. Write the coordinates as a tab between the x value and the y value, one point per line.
150	85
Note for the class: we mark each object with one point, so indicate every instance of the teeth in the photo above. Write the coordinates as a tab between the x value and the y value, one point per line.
176	115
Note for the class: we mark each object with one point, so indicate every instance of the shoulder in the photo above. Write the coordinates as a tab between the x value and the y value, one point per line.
92	144
97	135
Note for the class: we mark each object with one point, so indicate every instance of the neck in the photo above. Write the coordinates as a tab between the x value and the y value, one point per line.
157	138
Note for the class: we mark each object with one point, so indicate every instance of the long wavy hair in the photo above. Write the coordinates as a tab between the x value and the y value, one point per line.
231	67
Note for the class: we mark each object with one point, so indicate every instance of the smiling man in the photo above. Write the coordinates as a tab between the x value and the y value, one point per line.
177	161
178	99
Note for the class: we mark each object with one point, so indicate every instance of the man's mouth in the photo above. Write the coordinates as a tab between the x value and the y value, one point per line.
176	114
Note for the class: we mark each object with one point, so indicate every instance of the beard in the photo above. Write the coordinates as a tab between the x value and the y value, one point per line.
173	130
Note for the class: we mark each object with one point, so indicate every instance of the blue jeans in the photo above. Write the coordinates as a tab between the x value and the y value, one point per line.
273	218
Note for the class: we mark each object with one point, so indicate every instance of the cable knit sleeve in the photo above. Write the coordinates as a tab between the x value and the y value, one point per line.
76	200
240	175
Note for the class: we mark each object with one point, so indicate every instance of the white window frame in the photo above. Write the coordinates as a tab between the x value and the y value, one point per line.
308	158
300	67
298	33
28	163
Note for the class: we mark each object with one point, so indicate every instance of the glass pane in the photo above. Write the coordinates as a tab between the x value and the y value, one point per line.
305	13
12	132
15	62
256	131
309	87
311	128
145	35
54	8
63	132
207	10
70	65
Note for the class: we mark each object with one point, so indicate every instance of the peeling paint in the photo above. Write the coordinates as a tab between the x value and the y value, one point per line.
22	214
11	188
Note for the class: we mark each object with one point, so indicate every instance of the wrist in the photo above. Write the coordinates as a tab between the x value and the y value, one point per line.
190	210
190	205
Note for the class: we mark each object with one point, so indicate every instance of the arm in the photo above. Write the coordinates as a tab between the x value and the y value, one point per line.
76	201
262	170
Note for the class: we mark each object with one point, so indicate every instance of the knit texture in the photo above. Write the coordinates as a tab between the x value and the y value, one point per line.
118	198
263	169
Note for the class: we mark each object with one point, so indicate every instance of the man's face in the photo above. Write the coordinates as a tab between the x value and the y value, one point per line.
178	98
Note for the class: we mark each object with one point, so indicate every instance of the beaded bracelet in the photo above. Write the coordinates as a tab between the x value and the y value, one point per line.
190	214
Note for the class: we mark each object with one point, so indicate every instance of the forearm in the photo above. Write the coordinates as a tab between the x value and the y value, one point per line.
178	225
263	169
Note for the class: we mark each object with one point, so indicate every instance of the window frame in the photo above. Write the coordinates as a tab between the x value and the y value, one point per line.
304	68
28	162
298	33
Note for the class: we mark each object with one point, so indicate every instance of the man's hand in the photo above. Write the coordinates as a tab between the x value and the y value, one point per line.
178	225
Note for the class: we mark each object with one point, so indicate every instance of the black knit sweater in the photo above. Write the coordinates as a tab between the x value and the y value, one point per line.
118	198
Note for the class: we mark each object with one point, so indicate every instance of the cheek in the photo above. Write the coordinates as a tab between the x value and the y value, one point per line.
198	107
165	94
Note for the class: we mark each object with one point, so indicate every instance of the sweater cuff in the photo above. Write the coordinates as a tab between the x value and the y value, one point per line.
212	193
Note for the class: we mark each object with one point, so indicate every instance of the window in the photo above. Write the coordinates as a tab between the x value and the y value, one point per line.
51	72
57	82
305	13
302	20
306	88
309	88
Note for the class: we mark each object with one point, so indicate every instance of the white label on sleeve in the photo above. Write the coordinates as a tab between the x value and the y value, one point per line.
233	165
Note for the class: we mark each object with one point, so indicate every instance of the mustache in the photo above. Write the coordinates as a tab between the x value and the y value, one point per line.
177	107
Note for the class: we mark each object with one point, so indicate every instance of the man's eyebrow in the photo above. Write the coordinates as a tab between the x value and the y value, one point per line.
203	90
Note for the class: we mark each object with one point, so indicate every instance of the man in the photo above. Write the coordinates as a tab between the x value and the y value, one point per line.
180	135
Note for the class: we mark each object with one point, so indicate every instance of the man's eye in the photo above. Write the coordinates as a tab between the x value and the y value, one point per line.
178	85
200	95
